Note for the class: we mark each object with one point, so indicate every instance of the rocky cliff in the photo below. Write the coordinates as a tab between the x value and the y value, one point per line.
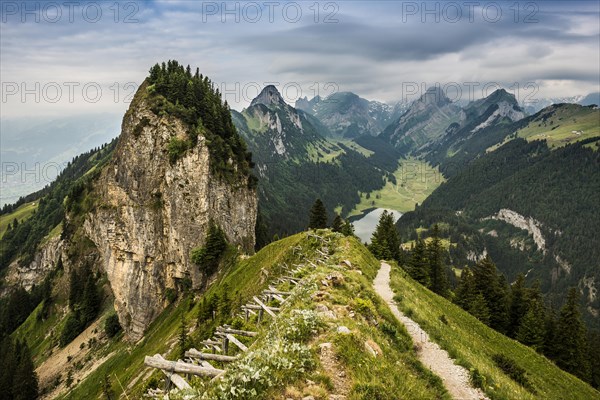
152	211
32	274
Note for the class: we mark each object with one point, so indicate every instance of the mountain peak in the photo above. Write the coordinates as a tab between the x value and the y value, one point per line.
502	95
435	96
268	96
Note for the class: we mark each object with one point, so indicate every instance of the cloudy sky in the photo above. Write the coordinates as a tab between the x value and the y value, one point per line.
64	58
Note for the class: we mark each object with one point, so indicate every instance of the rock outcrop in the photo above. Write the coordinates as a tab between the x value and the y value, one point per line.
532	226
30	275
151	212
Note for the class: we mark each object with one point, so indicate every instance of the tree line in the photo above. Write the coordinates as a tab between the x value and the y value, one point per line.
193	99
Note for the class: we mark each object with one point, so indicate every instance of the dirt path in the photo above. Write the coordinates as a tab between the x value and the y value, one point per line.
455	377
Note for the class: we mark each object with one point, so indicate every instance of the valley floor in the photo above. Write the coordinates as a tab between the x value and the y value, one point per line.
454	377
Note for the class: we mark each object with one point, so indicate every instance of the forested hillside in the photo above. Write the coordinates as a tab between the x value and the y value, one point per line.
557	189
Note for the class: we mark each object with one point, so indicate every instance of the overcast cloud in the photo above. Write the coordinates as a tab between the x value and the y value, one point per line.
376	49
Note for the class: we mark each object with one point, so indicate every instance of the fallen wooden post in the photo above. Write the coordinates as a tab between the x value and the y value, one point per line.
176	379
235	341
279	292
257	307
171	367
267	309
237	332
323	254
208	356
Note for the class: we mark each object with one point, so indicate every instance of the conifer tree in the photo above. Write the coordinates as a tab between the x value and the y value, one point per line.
437	270
418	266
90	303
571	342
8	364
550	326
494	289
75	288
25	381
347	229
531	330
224	304
107	388
466	290
385	242
518	305
318	216
204	312
261	231
209	256
182	339
112	326
479	309
338	223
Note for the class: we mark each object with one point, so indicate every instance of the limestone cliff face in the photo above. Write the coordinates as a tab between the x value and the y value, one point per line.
45	259
152	212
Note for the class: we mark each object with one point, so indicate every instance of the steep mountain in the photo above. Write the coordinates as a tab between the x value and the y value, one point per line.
483	123
152	212
179	168
279	131
347	115
296	163
425	121
532	208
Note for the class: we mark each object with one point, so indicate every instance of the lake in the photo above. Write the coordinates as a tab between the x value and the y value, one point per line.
364	225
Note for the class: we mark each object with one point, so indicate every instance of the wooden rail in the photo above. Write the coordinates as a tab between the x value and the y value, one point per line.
193	353
264	306
157	361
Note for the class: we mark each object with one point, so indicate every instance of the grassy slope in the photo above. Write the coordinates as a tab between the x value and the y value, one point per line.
415	179
473	344
394	374
398	369
126	363
557	129
21	213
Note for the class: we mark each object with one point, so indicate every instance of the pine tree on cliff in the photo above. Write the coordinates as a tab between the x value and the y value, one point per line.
90	303
437	270
571	342
318	216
